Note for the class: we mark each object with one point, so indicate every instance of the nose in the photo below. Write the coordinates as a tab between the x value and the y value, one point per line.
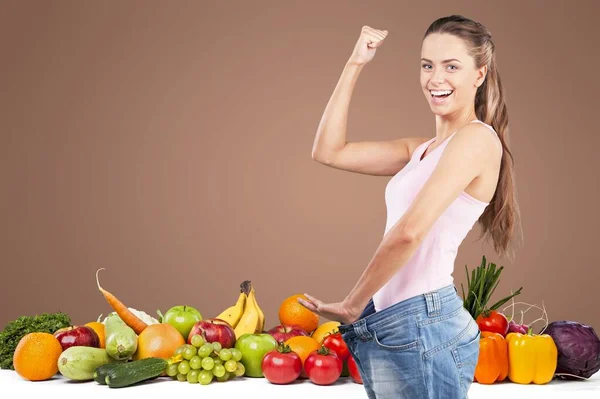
438	76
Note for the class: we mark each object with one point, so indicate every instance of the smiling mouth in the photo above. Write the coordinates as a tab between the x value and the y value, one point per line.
440	93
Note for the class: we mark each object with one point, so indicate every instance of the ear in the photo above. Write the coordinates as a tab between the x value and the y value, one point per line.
481	74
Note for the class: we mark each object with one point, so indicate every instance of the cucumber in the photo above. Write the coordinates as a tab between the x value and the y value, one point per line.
80	362
102	371
121	340
137	371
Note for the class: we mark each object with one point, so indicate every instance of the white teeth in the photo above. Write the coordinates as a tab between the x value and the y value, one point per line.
440	93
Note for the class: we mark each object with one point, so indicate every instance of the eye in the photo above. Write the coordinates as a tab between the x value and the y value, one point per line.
452	66
425	66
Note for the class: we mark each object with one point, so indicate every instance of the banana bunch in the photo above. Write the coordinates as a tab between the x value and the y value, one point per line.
246	317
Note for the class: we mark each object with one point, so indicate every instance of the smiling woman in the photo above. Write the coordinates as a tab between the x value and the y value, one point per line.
403	321
439	94
442	77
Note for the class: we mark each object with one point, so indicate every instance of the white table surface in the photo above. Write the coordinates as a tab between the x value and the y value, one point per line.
60	387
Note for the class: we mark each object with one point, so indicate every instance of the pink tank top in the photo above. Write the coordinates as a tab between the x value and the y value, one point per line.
432	265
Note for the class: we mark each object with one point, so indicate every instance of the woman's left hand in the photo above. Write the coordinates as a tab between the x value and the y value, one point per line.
338	311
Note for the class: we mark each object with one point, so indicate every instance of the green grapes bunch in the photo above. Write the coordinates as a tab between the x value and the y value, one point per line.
202	361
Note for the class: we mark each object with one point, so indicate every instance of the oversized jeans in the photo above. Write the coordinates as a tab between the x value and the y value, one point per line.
424	347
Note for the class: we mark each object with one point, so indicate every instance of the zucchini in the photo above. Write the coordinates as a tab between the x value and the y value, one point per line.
121	340
80	362
101	372
136	371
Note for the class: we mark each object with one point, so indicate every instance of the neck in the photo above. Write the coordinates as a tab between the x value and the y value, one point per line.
446	125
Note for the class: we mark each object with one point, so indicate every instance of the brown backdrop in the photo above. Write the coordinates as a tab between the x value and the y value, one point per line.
170	143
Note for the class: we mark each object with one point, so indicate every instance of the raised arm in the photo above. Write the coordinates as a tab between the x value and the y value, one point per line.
380	158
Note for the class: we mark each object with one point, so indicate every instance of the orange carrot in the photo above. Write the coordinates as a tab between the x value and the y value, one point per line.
124	313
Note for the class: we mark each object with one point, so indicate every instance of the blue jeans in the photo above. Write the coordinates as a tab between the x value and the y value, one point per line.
424	347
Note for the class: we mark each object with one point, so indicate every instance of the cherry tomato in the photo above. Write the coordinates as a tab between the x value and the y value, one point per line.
282	365
493	321
323	366
354	373
337	344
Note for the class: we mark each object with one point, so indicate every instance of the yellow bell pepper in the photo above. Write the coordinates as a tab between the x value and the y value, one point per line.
531	358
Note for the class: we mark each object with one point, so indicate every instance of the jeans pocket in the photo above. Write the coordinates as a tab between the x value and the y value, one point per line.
369	309
466	355
401	335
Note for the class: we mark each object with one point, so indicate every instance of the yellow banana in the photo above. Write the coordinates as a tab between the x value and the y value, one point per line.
248	324
233	314
261	315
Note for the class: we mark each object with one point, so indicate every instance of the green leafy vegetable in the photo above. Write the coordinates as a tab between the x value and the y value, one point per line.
481	285
17	329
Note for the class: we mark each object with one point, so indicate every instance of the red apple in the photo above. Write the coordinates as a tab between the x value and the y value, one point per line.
64	329
214	330
282	333
77	336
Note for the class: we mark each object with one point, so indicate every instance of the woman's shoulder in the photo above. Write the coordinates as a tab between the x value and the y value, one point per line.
484	127
478	137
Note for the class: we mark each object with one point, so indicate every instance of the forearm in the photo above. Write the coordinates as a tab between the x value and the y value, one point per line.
390	256
331	132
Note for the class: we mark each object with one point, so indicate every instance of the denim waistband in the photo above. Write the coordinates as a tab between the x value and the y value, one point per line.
429	301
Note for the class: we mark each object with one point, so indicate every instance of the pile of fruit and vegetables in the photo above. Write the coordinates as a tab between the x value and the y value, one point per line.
129	346
511	351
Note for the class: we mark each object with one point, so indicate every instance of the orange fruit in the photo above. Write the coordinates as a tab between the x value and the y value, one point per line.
36	356
330	327
303	346
158	340
100	330
292	312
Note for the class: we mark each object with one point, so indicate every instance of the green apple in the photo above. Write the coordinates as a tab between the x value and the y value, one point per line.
182	318
254	347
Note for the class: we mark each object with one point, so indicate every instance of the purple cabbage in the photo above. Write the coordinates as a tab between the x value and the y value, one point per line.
578	349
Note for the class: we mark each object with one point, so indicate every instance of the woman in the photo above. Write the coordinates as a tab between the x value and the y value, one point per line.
404	323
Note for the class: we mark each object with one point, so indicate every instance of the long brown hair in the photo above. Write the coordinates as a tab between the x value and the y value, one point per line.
501	218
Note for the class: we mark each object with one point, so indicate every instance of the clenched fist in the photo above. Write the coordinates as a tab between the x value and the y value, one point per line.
367	44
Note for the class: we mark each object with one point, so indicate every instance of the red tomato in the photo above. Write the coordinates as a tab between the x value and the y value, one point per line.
354	373
323	366
281	366
337	344
493	321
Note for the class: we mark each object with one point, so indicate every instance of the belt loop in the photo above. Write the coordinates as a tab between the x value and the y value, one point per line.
361	330
434	305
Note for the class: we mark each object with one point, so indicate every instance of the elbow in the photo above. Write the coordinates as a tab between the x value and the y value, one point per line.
407	236
314	155
407	232
320	157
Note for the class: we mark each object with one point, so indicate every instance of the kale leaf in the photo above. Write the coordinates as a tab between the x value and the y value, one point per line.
17	329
